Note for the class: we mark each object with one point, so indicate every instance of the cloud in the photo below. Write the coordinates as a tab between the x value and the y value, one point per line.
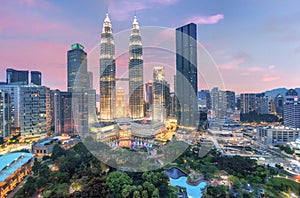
235	64
271	66
206	19
255	69
268	78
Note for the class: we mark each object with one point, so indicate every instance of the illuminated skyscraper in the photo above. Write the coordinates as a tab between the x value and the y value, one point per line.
107	72
77	68
136	85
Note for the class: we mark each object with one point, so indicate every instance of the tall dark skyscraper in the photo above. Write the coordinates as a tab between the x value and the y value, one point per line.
107	72
77	68
136	84
16	76
66	122
149	93
36	77
186	74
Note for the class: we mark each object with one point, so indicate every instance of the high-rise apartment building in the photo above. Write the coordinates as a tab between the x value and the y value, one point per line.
291	109
36	77
223	103
30	108
226	104
56	111
77	68
214	101
262	103
186	74
5	114
258	102
16	76
136	84
107	72
248	102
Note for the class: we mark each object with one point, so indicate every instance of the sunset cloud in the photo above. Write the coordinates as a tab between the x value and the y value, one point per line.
268	78
205	19
233	64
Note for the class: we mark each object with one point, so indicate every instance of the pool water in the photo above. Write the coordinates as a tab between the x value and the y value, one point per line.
192	191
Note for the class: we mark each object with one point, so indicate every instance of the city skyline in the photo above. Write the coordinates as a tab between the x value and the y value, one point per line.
149	98
240	42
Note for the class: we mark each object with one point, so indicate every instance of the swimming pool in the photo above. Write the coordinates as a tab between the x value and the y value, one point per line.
192	191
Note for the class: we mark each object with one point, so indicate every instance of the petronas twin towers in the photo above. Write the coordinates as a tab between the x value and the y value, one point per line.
108	73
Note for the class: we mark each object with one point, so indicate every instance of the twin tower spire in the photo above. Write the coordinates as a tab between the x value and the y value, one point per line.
108	73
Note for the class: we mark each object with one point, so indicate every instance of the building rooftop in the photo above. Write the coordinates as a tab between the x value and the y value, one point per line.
44	142
281	128
12	162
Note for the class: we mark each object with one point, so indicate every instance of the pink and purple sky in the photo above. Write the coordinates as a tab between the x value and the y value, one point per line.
255	44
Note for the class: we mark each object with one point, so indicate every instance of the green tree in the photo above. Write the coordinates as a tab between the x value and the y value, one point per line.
30	187
57	151
117	181
126	191
136	194
155	193
149	187
235	181
41	182
144	194
218	191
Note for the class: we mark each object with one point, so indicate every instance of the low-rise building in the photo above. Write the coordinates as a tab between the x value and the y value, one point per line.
277	135
43	147
14	167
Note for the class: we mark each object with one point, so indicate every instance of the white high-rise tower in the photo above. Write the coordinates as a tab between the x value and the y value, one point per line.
136	83
107	72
